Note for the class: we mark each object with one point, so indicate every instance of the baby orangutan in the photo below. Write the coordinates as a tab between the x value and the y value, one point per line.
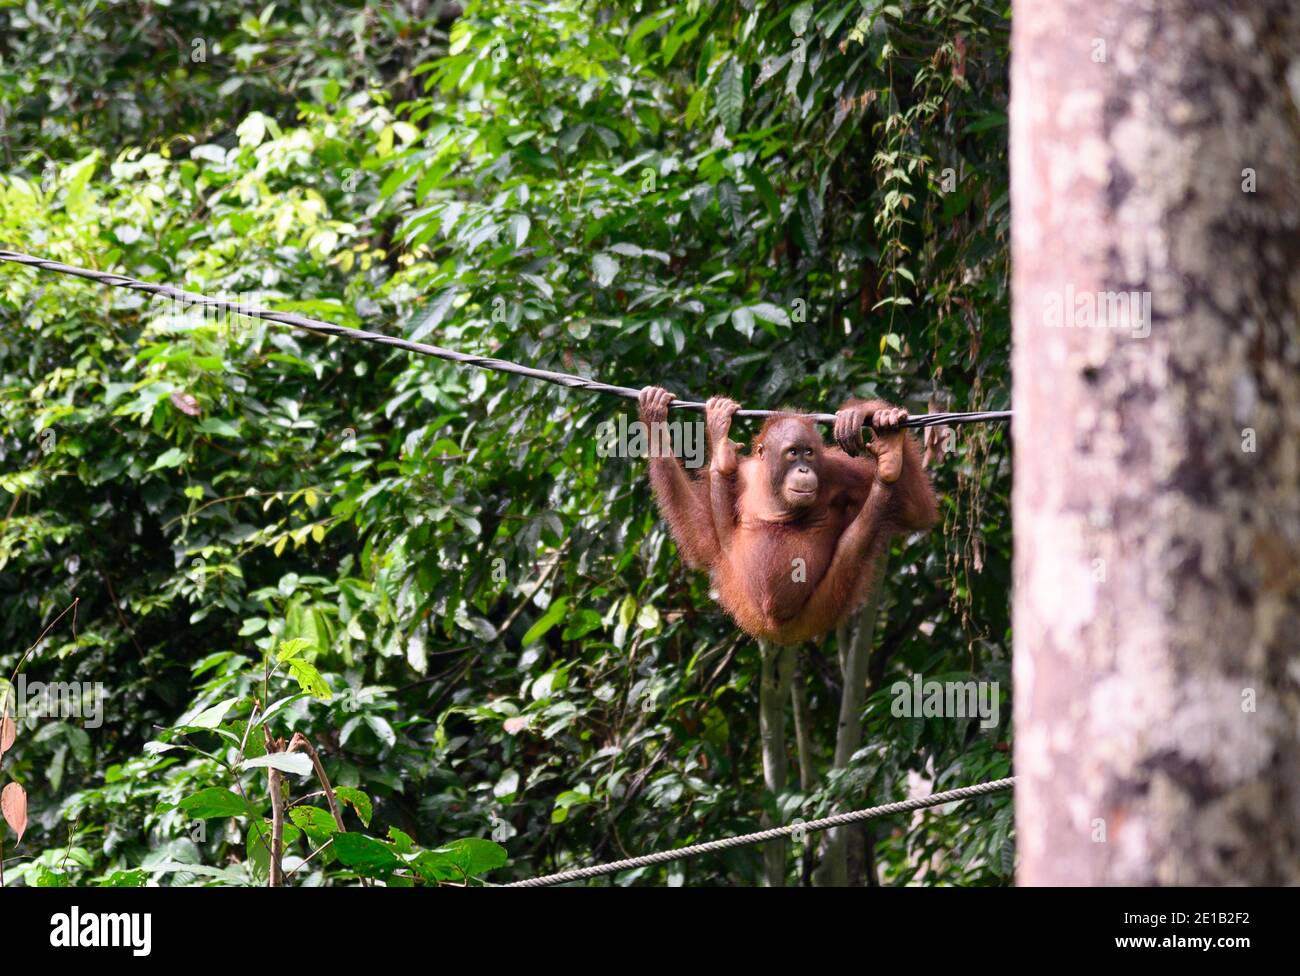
789	533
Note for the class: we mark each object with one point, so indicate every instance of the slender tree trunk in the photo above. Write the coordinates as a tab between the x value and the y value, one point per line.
274	785
1154	152
803	733
805	846
845	847
773	693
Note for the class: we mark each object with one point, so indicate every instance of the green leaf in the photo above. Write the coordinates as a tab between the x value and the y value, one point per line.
567	801
252	130
169	459
695	107
584	622
799	18
476	856
810	220
217	426
469	857
989	120
519	227
553	615
730	94
309	679
290	649
126	879
287	762
213	802
437	313
365	855
258	844
210	718
358	800
743	320
730	205
604	268
765	191
507	786
770	313
316	823
381	728
400	840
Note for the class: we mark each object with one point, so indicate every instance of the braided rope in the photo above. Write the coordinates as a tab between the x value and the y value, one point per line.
838	820
438	352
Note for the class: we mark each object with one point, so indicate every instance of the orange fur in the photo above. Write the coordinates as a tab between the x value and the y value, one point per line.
787	574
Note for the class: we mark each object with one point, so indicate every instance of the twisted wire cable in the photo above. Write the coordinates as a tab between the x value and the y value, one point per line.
318	327
825	823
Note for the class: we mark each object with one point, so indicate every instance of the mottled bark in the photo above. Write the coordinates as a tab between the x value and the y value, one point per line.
1155	148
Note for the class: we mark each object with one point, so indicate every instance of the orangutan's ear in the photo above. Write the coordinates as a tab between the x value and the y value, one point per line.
758	449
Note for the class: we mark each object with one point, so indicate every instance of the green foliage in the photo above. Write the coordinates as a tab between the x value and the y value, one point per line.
428	571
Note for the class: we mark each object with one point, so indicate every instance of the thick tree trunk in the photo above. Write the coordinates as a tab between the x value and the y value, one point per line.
1154	150
773	693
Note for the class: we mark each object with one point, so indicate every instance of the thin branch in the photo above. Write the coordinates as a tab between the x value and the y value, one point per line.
275	872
